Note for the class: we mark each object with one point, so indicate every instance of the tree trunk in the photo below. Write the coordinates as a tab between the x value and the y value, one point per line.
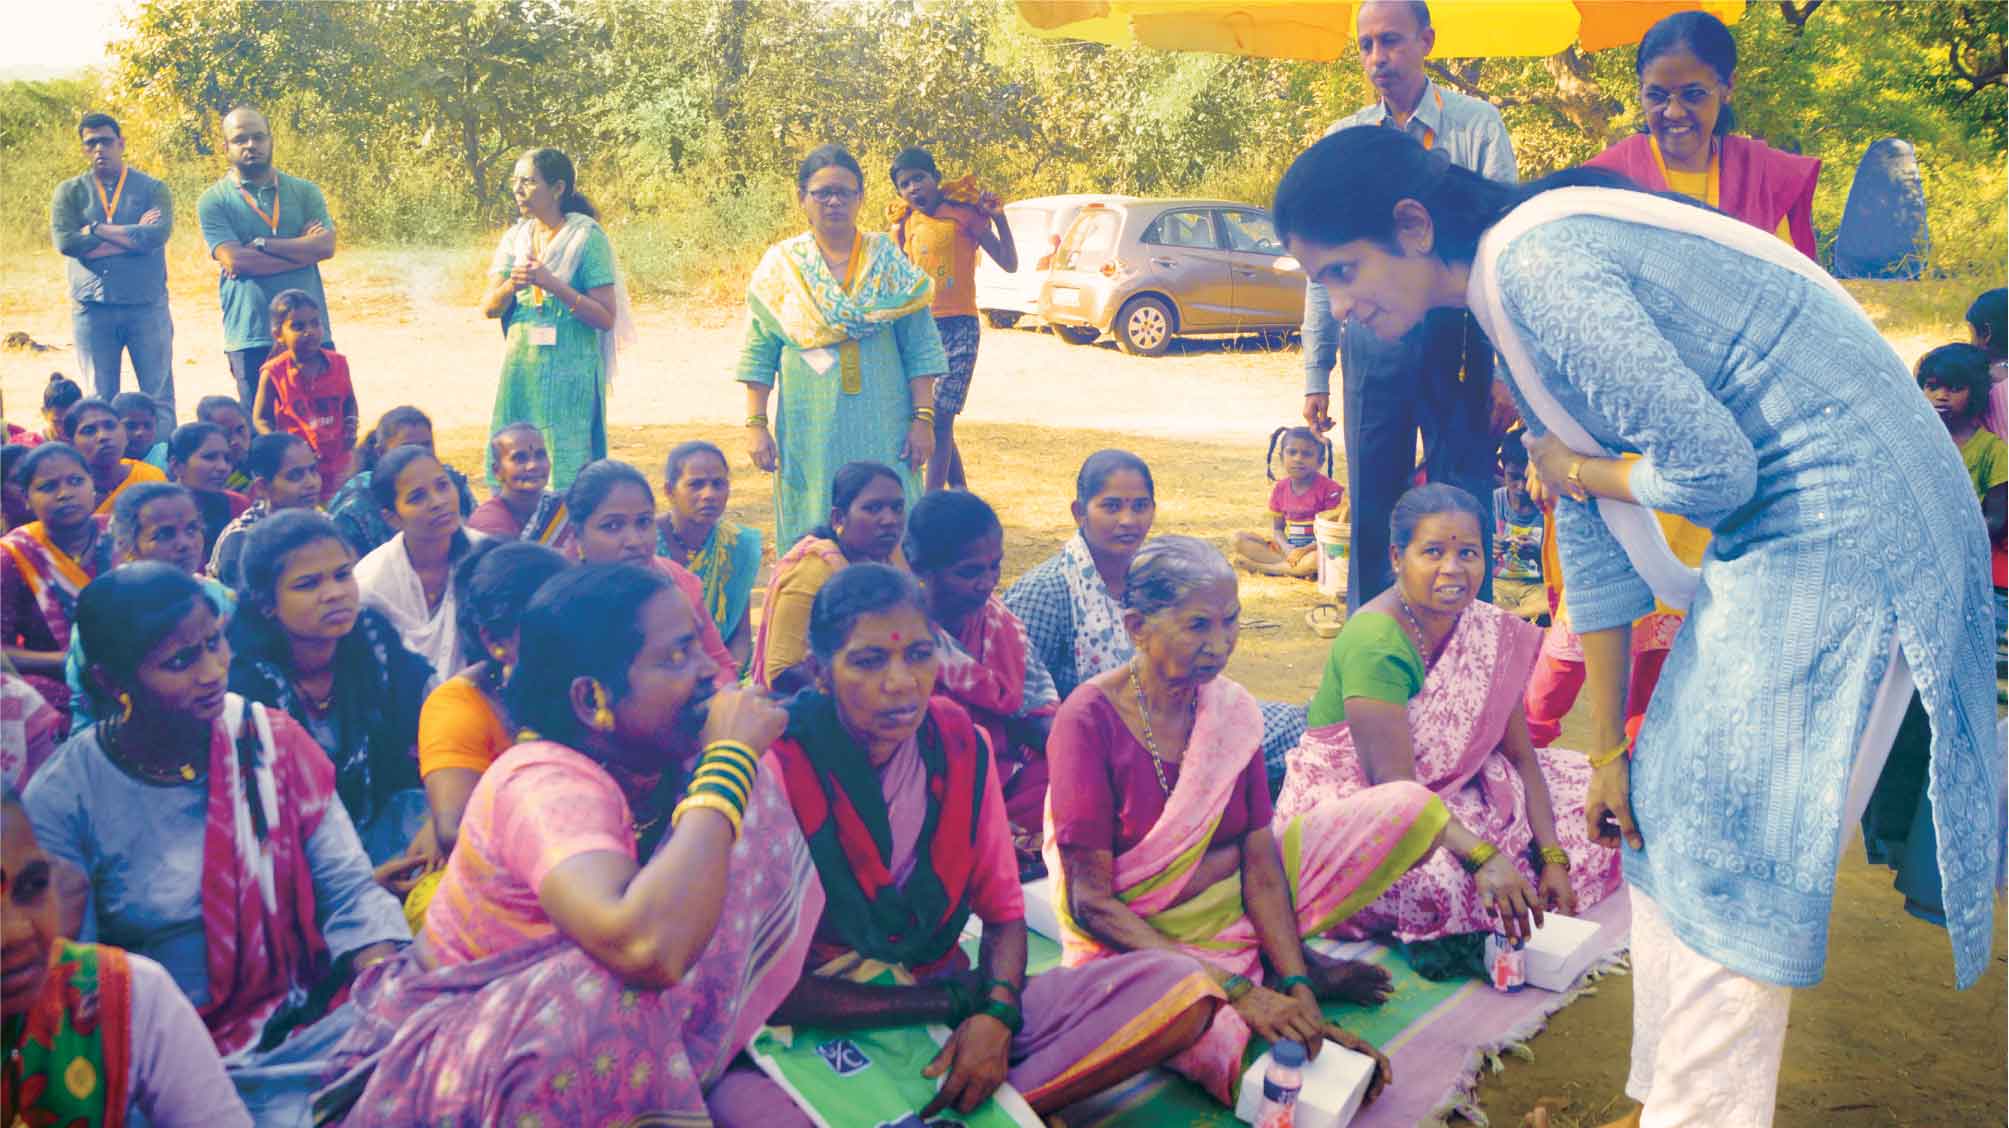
1577	96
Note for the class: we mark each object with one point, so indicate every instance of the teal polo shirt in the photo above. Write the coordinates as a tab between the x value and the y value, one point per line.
226	217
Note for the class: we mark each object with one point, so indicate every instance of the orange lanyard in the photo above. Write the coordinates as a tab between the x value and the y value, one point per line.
272	220
1429	134
112	204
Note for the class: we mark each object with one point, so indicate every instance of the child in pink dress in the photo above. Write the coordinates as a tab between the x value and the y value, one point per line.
1306	490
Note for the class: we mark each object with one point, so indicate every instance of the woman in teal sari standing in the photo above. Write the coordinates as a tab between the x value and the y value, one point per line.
840	323
564	313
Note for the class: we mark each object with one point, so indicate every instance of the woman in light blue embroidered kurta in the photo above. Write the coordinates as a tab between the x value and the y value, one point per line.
840	323
1761	404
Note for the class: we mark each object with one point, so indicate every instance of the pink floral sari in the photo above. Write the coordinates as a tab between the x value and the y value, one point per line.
1457	727
1337	857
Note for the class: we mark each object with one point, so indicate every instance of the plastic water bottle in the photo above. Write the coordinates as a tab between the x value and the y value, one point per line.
1281	1083
1507	963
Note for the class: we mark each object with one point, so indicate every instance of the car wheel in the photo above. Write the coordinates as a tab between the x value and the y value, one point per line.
1001	318
1077	334
1144	327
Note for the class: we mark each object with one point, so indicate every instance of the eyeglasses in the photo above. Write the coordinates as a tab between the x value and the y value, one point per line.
1693	97
100	142
831	197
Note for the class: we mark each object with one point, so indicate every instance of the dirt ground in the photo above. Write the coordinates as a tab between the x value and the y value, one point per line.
1885	1041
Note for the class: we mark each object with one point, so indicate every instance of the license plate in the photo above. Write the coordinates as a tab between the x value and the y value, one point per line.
1066	295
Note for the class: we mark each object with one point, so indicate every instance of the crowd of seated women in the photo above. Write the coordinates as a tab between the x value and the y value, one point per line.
530	812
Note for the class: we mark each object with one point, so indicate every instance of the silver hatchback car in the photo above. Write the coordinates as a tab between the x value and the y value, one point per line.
1147	271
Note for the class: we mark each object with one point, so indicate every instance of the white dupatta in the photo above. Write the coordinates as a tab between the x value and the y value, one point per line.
561	257
1672	581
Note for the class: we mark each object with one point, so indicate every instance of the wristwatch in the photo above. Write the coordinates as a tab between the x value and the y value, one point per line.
258	244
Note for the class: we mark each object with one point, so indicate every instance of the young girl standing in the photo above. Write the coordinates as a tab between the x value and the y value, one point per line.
1306	491
304	389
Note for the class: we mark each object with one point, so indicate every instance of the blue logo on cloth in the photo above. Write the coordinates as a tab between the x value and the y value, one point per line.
843	1057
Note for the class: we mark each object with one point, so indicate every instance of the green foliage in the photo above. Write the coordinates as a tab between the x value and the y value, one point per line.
686	117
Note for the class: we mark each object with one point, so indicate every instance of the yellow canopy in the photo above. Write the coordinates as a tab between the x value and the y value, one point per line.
1321	31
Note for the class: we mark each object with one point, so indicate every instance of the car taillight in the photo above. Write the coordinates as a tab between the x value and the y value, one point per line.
1045	262
1112	268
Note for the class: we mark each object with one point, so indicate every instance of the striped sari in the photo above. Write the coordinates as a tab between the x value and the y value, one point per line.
39	586
1337	857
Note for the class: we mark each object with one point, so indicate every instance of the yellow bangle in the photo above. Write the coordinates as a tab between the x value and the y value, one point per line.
709	801
1624	749
735	789
1481	854
1555	856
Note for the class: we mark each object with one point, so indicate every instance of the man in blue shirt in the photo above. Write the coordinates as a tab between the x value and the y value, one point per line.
112	223
1439	378
268	233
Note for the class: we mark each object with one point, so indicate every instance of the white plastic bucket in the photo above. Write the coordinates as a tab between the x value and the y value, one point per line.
1335	546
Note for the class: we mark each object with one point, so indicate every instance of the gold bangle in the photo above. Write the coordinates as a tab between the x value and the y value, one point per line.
732	746
1575	478
1555	856
924	415
708	801
1481	854
756	420
1624	749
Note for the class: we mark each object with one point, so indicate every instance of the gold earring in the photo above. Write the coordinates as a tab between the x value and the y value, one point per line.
125	707
603	717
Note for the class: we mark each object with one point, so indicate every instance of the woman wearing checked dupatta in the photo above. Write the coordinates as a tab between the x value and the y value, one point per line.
840	324
211	840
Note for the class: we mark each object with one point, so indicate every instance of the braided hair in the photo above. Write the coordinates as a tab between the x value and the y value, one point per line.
1284	434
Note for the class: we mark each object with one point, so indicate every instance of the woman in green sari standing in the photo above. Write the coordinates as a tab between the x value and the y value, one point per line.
564	313
840	323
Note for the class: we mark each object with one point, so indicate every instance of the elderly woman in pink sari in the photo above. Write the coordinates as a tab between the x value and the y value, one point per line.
628	899
1425	684
1161	836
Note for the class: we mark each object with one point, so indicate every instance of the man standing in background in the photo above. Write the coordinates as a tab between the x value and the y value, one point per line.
112	223
268	232
1438	378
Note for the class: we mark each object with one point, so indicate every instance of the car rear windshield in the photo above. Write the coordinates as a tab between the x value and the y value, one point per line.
1091	239
1030	227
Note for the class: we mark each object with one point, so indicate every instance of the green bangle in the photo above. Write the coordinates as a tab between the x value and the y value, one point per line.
1481	854
1017	991
1006	1013
1288	982
756	420
961	1004
1237	986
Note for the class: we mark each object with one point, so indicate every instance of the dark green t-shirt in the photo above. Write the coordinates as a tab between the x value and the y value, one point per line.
1372	658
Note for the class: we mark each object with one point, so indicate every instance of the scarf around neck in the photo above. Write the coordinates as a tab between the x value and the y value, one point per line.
842	811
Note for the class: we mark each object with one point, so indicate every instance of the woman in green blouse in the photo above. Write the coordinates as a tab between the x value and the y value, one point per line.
1426	684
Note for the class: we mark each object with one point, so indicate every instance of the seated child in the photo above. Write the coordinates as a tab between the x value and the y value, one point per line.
59	395
304	389
1897	823
142	420
284	475
227	413
1518	531
1988	330
1291	549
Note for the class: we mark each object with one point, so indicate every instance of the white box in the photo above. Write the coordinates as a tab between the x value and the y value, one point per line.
1559	951
1334	1085
1039	911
